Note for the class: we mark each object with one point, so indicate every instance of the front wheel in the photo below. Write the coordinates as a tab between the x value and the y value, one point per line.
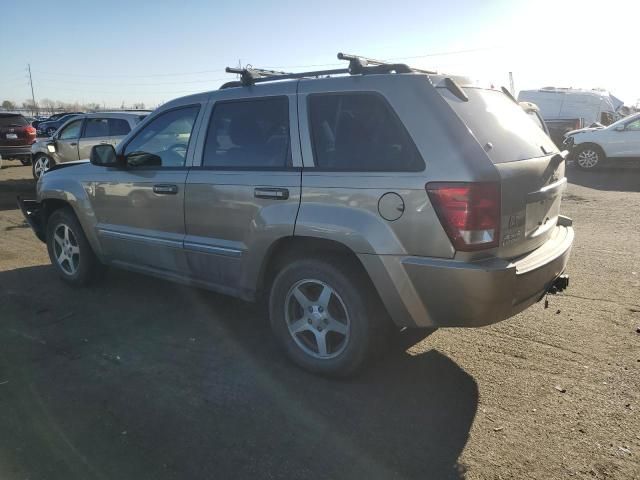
25	161
326	318
589	157
69	250
50	132
41	163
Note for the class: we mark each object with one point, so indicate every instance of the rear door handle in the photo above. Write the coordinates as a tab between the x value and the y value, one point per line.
165	189
271	193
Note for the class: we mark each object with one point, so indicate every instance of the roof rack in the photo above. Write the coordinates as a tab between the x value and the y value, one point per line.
358	65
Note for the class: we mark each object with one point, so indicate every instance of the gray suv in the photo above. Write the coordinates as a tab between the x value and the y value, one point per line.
74	139
355	200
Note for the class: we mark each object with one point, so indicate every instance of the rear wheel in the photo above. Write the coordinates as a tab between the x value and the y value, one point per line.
25	161
589	157
326	318
41	163
69	250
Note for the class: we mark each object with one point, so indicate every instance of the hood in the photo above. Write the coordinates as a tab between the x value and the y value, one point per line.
59	166
582	130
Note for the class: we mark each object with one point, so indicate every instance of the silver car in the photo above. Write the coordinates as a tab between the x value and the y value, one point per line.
357	200
74	139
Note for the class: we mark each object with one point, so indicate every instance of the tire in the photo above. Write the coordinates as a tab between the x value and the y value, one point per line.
25	161
327	319
41	163
589	157
50	132
69	251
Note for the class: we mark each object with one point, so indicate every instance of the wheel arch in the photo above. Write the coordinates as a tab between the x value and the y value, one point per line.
291	248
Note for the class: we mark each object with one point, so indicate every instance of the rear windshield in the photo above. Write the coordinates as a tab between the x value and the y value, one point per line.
495	119
12	121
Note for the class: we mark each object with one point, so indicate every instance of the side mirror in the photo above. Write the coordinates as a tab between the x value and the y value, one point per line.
104	155
620	128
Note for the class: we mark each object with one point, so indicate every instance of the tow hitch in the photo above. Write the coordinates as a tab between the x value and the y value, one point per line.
558	285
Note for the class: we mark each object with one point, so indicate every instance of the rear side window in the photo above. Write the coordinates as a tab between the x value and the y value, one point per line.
360	132
96	127
12	121
249	134
118	127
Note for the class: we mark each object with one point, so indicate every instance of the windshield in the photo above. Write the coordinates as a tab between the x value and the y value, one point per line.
496	119
624	120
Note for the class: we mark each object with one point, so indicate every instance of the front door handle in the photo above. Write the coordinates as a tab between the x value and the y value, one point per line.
165	189
271	193
73	144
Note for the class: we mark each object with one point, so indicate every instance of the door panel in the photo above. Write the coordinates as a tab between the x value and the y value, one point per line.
243	193
230	226
137	225
140	209
67	143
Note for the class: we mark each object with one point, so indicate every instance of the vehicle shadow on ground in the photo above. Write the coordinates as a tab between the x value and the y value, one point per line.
10	189
606	178
200	390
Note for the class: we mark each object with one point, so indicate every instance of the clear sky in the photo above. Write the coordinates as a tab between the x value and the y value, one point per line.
114	51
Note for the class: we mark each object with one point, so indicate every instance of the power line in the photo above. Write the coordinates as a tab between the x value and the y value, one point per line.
221	69
137	84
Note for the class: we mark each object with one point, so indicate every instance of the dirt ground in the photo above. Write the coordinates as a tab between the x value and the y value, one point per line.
139	378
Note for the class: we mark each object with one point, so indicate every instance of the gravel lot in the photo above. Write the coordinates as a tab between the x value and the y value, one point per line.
140	378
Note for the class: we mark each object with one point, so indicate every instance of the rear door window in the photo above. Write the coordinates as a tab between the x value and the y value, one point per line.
118	127
96	127
249	134
359	132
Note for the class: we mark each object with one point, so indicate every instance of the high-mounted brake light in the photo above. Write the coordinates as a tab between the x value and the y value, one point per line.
468	212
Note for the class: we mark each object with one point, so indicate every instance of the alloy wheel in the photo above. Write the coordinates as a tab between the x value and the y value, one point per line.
317	319
66	249
588	158
41	165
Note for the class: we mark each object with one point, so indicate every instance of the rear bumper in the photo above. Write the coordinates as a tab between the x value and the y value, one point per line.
14	152
32	211
428	292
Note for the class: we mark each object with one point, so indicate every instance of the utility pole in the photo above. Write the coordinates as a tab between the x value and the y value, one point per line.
511	85
33	97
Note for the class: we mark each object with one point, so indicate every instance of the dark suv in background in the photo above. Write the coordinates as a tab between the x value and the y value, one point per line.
16	137
49	126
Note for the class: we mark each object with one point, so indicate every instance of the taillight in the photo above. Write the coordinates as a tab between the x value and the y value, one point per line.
469	213
30	131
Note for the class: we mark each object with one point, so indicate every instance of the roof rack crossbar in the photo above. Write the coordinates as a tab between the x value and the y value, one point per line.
357	66
364	61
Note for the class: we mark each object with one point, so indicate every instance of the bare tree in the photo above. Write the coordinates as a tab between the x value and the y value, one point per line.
8	105
29	105
48	105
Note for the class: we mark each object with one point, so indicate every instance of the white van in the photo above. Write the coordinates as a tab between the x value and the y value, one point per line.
564	103
565	109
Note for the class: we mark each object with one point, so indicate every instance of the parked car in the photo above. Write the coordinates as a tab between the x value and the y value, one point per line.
76	137
355	203
566	109
618	144
533	111
16	137
50	126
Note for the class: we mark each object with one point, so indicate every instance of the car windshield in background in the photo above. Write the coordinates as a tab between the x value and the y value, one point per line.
10	120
